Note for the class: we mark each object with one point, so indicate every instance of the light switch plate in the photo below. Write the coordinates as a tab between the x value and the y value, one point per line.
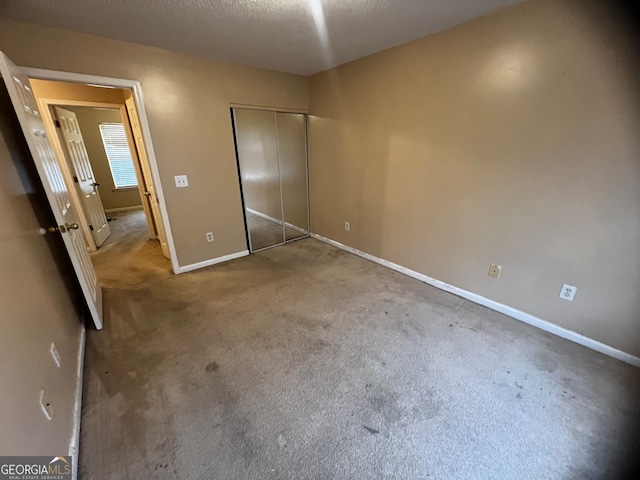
181	181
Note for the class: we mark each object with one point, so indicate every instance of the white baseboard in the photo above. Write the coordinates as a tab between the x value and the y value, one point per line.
74	444
123	209
213	261
493	305
278	221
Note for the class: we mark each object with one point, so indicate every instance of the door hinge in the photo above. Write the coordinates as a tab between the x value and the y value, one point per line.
91	227
75	179
57	122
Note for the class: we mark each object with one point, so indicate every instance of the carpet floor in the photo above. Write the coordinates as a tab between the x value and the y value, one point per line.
306	362
128	257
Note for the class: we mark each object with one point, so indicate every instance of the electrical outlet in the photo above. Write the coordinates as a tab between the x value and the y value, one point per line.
568	292
494	270
347	226
209	236
181	181
54	353
45	406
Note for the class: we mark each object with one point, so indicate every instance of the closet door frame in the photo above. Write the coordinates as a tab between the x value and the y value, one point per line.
232	109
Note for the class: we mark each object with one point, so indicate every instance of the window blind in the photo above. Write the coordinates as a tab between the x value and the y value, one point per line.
116	147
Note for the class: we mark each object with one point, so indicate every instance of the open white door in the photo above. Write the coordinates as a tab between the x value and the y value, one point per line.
150	191
78	159
26	108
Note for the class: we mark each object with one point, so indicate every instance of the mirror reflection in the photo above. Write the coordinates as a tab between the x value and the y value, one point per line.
272	162
292	158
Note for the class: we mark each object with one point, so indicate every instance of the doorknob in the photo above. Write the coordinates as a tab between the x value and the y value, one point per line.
148	194
61	228
95	184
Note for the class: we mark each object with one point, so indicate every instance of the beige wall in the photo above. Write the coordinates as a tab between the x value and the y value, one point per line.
510	139
89	120
187	102
36	308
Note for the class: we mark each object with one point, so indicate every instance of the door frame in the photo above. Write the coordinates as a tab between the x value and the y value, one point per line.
136	88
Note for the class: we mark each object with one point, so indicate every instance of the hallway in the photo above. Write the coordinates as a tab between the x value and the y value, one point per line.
306	362
128	257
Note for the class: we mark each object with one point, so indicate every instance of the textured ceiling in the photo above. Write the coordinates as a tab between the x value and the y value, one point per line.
296	36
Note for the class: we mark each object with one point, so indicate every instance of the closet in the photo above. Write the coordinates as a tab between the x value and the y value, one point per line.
272	164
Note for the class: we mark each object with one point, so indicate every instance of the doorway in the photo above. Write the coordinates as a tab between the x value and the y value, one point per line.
95	133
271	151
108	178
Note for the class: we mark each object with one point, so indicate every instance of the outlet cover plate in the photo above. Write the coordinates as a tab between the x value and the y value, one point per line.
568	292
494	270
181	181
209	236
347	226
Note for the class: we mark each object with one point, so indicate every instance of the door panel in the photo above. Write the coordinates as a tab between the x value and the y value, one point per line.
292	158
150	191
258	158
78	159
48	169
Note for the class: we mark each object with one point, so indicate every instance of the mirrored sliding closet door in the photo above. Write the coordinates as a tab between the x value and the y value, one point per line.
272	161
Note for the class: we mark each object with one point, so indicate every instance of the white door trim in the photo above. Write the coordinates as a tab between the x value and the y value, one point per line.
136	88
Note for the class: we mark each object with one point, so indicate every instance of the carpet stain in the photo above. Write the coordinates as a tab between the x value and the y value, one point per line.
372	431
386	405
212	367
544	362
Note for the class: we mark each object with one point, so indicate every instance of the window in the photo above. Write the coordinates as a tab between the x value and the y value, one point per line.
116	146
